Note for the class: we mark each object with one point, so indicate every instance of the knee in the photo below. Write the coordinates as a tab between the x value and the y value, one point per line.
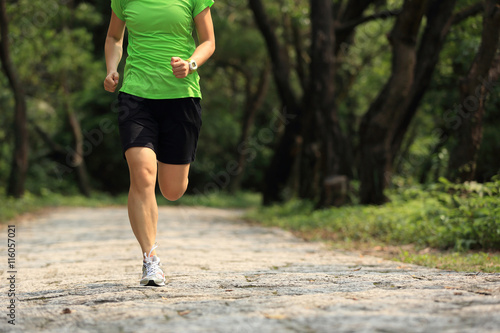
172	193
143	178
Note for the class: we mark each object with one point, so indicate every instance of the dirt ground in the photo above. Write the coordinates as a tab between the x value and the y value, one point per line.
78	270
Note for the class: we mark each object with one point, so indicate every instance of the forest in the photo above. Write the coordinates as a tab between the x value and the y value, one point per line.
335	102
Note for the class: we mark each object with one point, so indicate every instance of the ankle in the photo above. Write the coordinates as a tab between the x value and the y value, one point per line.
149	251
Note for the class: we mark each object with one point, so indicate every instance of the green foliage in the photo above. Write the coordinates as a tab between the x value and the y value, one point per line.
235	68
470	262
53	52
432	133
444	216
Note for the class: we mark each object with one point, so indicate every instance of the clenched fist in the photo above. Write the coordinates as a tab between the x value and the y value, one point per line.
180	67
111	81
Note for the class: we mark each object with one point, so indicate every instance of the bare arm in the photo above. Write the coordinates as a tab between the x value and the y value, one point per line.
205	29
113	52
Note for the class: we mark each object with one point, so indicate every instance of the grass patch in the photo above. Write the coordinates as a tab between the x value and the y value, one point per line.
216	200
443	216
456	261
11	208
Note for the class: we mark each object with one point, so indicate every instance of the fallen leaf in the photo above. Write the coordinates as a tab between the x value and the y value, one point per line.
183	313
66	311
274	316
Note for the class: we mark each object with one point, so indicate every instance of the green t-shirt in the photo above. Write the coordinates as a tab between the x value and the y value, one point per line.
157	31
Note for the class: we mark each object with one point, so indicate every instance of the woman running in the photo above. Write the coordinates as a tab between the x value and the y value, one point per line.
159	104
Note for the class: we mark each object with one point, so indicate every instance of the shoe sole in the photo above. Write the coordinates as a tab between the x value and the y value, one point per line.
152	283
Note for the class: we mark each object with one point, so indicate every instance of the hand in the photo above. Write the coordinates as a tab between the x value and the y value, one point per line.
180	67
111	81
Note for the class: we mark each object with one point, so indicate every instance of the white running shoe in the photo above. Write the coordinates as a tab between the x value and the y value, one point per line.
152	274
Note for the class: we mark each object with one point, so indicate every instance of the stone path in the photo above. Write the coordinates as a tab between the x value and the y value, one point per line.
78	271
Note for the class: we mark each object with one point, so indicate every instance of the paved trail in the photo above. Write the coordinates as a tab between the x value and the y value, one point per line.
226	276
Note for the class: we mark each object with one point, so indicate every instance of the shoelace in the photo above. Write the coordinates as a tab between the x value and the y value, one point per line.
151	266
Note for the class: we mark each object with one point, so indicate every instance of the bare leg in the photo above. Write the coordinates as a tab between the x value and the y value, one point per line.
142	206
173	180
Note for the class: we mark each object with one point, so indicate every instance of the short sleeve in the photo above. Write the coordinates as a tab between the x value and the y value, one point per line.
200	5
117	7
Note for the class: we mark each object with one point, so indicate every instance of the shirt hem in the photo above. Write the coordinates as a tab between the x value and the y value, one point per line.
161	96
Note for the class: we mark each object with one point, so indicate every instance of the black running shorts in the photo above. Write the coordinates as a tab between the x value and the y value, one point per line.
170	127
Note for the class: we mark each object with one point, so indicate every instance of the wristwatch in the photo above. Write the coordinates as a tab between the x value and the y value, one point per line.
193	66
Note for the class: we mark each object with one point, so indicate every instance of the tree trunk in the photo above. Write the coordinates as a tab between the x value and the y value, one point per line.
354	9
77	153
301	146
253	103
19	166
439	21
321	154
473	92
380	121
279	170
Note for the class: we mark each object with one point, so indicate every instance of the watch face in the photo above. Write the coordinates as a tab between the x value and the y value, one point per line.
193	65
